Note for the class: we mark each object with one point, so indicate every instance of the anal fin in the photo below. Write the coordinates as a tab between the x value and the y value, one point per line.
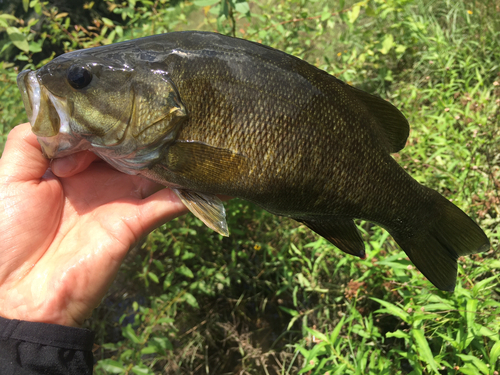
342	233
206	207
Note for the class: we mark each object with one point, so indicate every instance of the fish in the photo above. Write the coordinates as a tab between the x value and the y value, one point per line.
206	114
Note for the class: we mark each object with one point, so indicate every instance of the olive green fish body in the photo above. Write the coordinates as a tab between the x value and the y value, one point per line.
207	114
310	146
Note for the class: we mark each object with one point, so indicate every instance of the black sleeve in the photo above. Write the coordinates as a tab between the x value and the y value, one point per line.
42	348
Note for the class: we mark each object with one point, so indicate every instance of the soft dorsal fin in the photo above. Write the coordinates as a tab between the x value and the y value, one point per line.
392	124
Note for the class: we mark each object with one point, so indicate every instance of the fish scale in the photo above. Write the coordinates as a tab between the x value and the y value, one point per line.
214	115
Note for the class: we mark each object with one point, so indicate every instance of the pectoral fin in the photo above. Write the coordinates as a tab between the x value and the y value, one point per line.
208	208
342	233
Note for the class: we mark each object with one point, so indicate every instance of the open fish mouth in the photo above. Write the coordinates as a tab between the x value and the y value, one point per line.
49	117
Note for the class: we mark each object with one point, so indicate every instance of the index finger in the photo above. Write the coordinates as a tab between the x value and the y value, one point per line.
22	158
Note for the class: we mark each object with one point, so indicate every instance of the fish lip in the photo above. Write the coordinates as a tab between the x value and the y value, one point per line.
29	86
61	144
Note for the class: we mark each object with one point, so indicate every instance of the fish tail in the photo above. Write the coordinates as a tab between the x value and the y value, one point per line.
436	245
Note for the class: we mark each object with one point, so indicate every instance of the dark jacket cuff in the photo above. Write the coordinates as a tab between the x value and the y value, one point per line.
39	348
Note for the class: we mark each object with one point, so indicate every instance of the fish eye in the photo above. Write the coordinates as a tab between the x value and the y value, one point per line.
79	76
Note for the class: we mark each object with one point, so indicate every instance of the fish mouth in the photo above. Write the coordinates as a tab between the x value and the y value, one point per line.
49	118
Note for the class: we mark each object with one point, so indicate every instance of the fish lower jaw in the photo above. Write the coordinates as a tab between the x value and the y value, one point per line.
34	95
61	107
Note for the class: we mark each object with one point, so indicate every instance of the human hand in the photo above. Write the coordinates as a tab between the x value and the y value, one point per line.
65	230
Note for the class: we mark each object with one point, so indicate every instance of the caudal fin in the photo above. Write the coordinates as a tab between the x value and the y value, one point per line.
435	251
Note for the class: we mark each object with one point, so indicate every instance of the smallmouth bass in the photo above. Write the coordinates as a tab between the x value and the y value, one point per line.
206	114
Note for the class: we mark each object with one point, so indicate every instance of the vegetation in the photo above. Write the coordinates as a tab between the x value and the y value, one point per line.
274	298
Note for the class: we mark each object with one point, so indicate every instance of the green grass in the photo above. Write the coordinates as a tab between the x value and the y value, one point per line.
274	298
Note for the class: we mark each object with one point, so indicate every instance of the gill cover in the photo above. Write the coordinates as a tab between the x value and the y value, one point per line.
122	113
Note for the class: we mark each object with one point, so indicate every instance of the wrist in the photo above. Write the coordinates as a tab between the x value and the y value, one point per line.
46	312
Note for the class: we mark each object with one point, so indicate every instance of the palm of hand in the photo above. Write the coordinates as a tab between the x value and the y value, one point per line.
63	239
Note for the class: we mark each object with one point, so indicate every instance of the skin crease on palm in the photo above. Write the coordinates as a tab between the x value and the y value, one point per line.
66	228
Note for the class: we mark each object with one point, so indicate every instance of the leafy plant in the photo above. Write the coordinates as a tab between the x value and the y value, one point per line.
273	298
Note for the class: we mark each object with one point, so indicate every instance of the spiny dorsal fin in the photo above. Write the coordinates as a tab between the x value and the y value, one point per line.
392	124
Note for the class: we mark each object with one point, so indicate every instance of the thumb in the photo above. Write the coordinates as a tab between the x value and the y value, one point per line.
22	159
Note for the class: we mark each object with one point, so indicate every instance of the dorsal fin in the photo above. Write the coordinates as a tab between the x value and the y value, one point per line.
392	124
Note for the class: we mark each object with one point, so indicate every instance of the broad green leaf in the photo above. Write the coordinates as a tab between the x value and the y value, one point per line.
469	369
119	31
399	334
153	277
341	369
392	309
387	44
303	281
485	331
438	307
204	3
112	366
141	370
354	13
189	298
37	7
242	8
18	39
35	47
129	333
495	264
317	334
483	283
494	354
336	331
470	312
185	271
370	12
400	48
289	311
423	348
26	4
307	368
302	350
325	15
188	255
159	265
450	340
151	349
292	321
162	342
107	22
8	17
317	350
480	365
165	320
